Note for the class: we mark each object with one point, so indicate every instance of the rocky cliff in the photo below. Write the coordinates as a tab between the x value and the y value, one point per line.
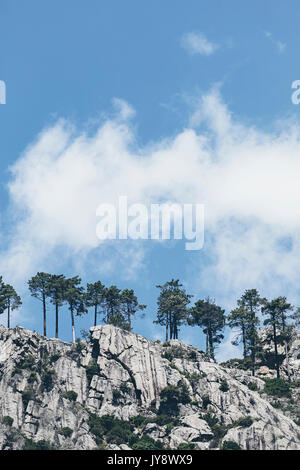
120	390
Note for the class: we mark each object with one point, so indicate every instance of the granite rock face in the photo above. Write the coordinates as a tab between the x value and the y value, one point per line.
48	386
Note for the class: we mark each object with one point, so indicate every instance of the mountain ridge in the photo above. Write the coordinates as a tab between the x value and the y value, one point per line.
59	395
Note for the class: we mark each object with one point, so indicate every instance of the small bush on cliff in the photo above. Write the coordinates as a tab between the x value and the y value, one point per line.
224	387
7	421
91	370
243	422
54	358
147	443
230	445
48	379
252	386
171	396
205	402
66	432
116	395
138	421
39	445
70	395
186	446
277	388
27	395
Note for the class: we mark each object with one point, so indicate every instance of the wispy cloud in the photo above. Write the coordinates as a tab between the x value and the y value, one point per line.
280	46
247	178
197	43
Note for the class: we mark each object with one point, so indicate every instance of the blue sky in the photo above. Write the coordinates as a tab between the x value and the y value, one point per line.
209	88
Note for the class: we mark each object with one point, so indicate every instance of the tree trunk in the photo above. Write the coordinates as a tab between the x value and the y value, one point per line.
211	345
56	320
276	351
129	319
95	319
44	314
244	341
167	326
171	327
73	326
8	315
287	360
253	345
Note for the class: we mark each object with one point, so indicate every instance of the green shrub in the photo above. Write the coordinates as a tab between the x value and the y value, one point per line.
47	379
115	431
164	419
54	358
80	346
277	404
252	386
66	432
91	370
192	355
147	443
186	446
205	402
27	363
243	422
230	445
70	395
211	419
171	396
7	421
124	388
193	378
27	395
138	421
224	387
32	378
174	352
119	434
277	388
39	445
96	427
116	395
108	422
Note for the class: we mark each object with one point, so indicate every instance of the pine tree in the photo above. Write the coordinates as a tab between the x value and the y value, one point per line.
95	297
296	317
130	305
211	318
238	320
112	303
113	312
251	303
73	294
9	300
39	286
276	310
172	307
56	294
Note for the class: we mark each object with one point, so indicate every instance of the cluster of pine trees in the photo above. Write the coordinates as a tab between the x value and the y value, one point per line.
279	316
118	307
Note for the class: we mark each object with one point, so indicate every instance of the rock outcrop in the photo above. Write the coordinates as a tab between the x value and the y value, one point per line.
56	394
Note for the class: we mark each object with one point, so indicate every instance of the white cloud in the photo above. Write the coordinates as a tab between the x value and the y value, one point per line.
280	46
247	179
197	43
